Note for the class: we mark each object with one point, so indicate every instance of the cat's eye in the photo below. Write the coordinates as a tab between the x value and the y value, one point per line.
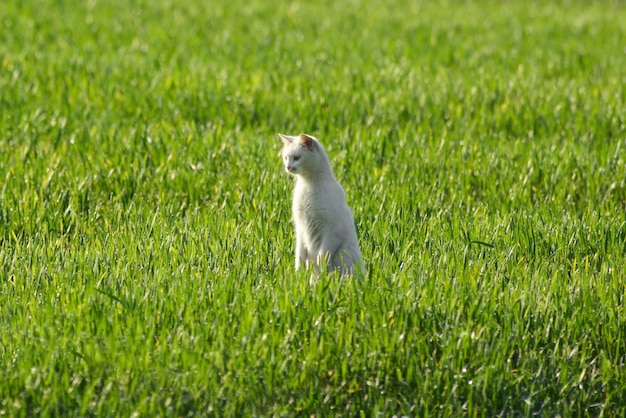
296	158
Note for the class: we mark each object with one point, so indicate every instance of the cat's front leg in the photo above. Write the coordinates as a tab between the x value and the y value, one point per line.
326	253
301	252
323	261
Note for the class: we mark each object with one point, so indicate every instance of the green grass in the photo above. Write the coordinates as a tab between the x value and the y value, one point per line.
146	262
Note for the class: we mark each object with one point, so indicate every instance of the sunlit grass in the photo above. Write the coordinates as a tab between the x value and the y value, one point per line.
146	249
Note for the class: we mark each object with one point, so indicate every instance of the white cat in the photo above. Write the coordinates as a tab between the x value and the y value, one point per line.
325	231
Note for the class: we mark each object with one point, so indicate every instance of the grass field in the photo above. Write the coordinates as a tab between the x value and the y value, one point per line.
146	250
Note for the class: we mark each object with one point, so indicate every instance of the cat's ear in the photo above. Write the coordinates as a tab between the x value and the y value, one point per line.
286	139
307	141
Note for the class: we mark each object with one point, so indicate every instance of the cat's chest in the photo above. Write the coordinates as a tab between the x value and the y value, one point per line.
306	200
316	199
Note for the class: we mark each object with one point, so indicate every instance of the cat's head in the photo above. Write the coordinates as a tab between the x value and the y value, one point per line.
302	154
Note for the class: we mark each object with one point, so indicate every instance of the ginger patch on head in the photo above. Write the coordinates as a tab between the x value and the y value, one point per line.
307	141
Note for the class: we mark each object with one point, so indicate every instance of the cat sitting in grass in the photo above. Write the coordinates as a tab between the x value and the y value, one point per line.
325	232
